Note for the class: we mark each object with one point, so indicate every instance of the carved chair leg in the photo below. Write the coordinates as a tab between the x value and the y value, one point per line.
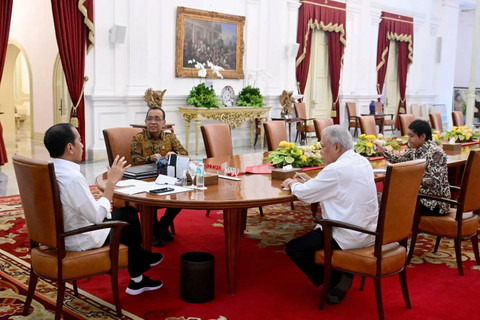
60	295
362	284
208	213
261	211
403	283
458	255
75	288
378	294
437	244
32	284
475	248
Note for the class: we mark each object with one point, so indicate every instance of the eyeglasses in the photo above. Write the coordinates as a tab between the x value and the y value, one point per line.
156	119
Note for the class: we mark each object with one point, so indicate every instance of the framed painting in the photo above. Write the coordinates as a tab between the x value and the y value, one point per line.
460	99
209	36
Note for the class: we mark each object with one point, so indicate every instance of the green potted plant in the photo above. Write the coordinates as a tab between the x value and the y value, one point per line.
250	97
202	96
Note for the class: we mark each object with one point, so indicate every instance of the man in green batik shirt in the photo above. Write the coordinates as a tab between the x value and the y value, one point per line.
146	147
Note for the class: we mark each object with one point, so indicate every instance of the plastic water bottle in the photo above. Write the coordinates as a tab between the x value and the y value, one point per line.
200	175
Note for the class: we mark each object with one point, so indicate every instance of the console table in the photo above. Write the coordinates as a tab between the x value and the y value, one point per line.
235	117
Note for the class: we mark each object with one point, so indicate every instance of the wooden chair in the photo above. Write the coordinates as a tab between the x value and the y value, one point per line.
386	122
321	124
303	128
258	129
44	220
217	139
405	120
367	125
460	223
275	132
457	118
117	142
388	255
436	121
353	119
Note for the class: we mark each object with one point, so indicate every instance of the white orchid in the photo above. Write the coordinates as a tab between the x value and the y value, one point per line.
202	71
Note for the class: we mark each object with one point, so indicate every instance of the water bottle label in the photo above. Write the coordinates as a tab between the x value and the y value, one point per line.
199	170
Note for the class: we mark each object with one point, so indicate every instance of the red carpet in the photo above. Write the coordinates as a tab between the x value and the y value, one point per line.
271	287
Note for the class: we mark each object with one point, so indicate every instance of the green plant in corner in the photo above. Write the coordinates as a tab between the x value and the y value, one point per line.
250	97
202	96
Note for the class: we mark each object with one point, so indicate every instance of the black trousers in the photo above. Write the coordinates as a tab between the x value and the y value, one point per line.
425	211
302	252
131	236
161	226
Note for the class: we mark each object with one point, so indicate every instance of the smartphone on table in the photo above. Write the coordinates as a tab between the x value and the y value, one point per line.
161	190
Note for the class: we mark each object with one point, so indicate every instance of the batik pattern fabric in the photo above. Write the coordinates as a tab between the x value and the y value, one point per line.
435	177
144	144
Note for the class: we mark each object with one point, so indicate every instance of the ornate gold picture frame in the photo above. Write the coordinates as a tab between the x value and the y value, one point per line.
209	36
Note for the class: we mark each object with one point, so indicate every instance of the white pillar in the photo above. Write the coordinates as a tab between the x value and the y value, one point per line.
473	68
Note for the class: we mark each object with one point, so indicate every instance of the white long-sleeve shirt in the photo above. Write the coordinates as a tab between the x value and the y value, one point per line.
80	209
346	192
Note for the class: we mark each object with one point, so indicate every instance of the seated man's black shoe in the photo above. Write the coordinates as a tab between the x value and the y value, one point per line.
337	293
157	242
166	236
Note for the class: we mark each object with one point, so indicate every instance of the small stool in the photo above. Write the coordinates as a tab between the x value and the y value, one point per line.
197	277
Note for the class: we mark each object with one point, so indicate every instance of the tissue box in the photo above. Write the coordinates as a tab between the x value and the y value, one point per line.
452	148
280	174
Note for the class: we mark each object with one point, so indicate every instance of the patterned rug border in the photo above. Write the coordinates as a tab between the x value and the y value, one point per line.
18	272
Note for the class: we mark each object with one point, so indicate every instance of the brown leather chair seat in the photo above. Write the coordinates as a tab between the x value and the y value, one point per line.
363	260
76	264
447	225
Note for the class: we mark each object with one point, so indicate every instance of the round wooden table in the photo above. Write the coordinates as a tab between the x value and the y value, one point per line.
233	197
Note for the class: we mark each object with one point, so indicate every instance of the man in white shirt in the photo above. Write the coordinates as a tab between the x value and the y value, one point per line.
346	191
80	209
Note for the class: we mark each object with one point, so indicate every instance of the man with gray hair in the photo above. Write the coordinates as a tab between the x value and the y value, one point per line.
346	191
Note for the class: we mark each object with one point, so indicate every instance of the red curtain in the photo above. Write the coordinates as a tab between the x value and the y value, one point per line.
400	29
330	17
73	22
5	17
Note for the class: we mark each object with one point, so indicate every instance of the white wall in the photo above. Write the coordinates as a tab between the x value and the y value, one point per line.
120	73
32	28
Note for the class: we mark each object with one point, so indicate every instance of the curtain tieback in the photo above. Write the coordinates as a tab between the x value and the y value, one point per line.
74	118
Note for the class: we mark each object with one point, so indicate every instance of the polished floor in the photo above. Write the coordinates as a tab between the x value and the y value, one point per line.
20	142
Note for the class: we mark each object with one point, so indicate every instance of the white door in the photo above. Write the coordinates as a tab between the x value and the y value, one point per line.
62	104
391	89
318	94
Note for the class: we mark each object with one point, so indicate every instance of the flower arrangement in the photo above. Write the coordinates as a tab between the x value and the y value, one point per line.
202	96
251	97
365	143
289	153
462	134
437	137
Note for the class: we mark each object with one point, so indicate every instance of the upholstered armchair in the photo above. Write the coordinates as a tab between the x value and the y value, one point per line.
321	124
303	128
461	223
367	125
436	121
405	120
44	220
388	255
353	119
457	118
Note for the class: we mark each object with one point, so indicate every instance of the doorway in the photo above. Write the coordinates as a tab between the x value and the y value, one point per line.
15	95
62	104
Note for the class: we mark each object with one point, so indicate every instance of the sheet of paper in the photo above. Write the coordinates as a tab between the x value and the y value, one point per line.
145	187
163	179
379	171
130	183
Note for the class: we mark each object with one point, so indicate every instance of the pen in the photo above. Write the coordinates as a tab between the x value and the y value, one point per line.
303	178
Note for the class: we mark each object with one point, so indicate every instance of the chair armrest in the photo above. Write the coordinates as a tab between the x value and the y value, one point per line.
339	224
455	188
103	225
441	199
